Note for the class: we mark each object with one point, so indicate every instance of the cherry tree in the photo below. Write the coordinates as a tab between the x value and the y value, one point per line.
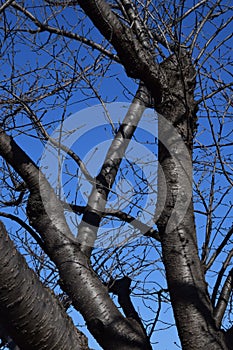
91	226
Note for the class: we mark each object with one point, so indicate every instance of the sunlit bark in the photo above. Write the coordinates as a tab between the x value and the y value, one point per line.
31	313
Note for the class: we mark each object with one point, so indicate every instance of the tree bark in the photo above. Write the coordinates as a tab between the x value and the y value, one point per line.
93	213
79	281
172	85
6	339
188	290
31	314
137	60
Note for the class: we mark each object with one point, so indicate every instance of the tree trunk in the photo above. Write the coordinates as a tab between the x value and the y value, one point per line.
79	281
32	316
188	290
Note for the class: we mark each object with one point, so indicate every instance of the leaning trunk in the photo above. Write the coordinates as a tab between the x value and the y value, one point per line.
31	315
78	280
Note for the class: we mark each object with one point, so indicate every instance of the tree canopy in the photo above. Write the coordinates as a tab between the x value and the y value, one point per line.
116	137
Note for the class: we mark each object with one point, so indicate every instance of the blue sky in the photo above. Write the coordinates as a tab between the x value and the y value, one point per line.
49	60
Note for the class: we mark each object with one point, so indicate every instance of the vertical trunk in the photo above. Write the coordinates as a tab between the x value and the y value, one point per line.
190	300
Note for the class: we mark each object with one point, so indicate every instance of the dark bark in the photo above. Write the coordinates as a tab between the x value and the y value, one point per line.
137	60
229	338
223	299
172	86
6	339
144	228
79	281
121	288
189	296
31	314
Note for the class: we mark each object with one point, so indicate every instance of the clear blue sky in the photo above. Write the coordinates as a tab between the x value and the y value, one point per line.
92	143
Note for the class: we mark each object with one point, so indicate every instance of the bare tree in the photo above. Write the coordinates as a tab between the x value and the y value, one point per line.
68	247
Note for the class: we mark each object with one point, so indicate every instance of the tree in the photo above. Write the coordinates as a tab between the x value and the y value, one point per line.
59	57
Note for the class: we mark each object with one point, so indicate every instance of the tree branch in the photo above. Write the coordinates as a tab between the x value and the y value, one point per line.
5	5
42	132
144	228
42	27
220	276
26	227
92	216
14	202
121	288
138	62
220	248
223	299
